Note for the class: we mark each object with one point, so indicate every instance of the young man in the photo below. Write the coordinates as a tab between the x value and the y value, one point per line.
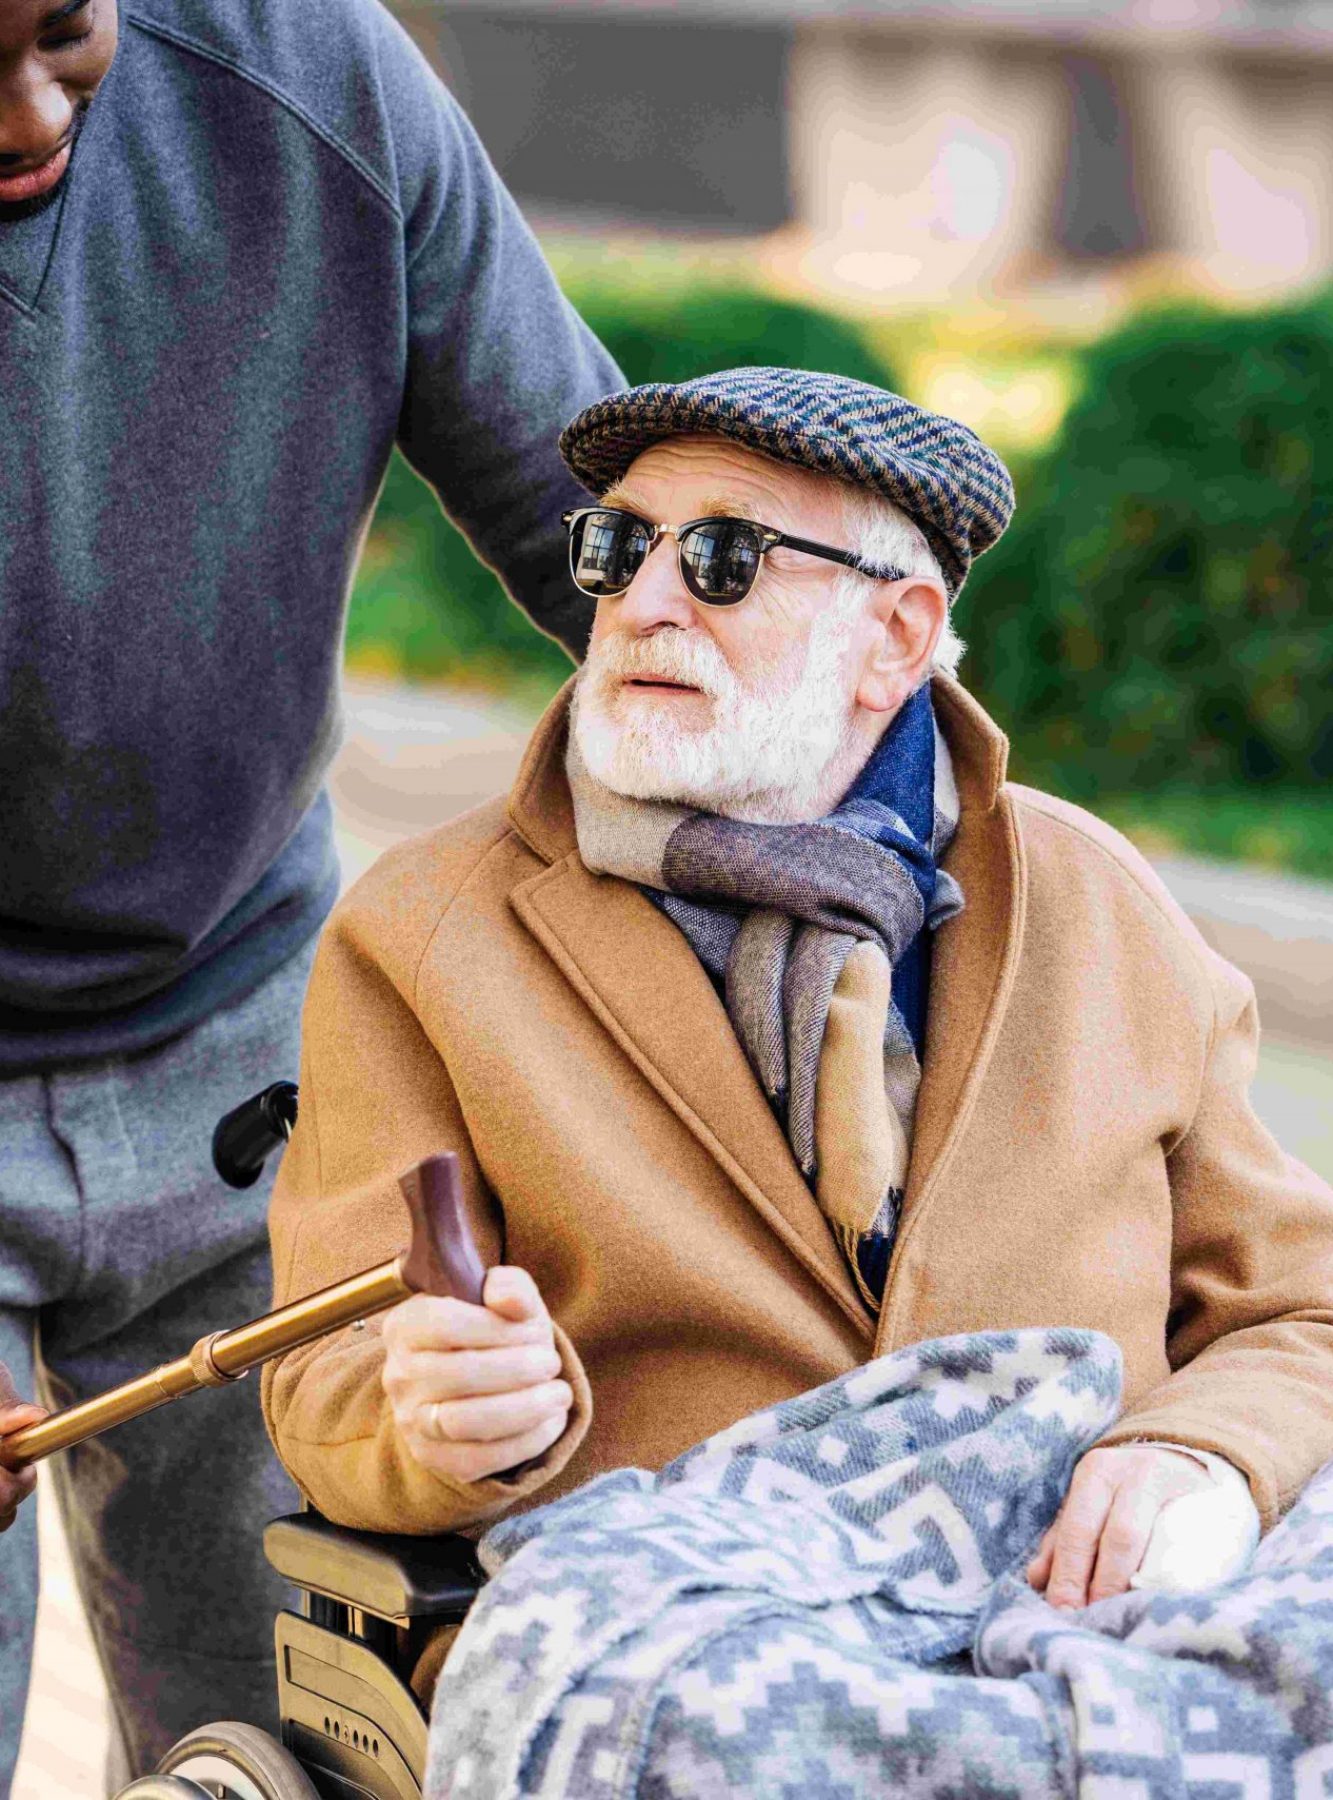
775	1030
245	247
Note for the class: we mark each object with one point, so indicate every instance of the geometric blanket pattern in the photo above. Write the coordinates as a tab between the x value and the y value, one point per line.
744	1614
824	1603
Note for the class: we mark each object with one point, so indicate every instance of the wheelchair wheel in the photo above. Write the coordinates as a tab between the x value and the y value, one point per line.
227	1761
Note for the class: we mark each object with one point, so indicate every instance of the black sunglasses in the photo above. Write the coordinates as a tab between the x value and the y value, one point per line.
719	558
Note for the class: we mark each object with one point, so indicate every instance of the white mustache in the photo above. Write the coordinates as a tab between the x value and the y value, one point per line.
666	656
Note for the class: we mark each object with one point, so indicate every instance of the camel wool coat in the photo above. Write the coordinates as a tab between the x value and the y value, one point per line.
1084	1151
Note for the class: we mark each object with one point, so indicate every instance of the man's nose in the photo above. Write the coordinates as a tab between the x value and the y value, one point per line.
35	116
657	596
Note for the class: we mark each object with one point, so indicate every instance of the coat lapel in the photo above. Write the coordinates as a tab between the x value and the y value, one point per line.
973	961
638	975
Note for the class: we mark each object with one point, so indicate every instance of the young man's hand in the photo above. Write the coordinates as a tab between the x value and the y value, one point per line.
475	1389
1098	1539
14	1415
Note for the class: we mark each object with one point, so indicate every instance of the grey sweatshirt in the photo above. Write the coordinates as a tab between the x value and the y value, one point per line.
280	249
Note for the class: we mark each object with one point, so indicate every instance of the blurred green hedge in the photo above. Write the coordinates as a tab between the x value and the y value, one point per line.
1158	622
422	603
1160	615
673	333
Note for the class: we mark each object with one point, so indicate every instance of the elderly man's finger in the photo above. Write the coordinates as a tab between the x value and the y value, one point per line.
496	1416
1078	1533
427	1322
477	1462
1124	1539
457	1374
513	1294
1039	1568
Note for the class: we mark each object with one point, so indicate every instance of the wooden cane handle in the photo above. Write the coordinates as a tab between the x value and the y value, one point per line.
443	1257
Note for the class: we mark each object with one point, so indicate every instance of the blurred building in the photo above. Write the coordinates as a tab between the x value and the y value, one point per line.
920	146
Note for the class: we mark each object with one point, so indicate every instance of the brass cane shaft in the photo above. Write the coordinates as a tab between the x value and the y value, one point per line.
304	1320
79	1422
216	1359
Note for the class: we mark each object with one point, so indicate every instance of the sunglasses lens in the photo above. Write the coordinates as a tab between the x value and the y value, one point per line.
720	559
606	551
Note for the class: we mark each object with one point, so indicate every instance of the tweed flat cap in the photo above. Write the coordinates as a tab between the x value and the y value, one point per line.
940	473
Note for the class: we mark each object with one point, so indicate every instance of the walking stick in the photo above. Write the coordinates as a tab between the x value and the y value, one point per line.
440	1259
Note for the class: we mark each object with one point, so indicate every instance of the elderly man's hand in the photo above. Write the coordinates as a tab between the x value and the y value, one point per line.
14	1415
1099	1537
474	1389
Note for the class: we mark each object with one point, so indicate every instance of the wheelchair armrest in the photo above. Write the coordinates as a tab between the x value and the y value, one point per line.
394	1577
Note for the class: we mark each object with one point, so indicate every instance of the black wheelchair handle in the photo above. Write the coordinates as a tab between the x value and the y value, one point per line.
247	1136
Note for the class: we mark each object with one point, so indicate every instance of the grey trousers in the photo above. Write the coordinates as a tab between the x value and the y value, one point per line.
119	1247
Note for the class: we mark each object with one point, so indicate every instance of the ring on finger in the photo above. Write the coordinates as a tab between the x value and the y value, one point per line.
433	1427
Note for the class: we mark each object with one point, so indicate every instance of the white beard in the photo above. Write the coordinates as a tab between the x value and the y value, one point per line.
781	750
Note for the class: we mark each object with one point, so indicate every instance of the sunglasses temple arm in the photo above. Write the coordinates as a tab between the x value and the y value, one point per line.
848	558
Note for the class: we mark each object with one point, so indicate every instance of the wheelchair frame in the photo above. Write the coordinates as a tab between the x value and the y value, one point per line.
351	1726
348	1714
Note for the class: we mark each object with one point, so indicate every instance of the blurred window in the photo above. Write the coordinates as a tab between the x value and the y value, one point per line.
1099	213
668	122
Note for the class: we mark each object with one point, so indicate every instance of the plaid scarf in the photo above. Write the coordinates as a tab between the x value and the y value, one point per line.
814	935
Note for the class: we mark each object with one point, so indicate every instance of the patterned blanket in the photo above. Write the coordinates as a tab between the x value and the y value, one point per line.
822	1603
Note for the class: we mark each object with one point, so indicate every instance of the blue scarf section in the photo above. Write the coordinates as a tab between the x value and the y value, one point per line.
898	782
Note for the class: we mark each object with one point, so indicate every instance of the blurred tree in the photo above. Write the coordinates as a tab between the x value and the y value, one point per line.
1161	612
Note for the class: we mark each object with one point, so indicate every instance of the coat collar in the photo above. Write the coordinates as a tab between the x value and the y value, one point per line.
638	975
541	807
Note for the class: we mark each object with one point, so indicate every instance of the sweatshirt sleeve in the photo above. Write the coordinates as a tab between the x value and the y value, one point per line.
1250	1335
375	1098
498	362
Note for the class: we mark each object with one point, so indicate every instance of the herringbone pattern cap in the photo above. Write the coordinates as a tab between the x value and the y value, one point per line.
940	473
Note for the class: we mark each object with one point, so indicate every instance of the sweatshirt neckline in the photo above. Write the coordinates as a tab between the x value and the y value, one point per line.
26	251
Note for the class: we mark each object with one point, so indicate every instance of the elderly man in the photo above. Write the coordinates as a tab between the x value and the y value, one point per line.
775	1030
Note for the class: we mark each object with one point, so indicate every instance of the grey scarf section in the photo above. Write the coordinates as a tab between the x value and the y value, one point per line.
774	912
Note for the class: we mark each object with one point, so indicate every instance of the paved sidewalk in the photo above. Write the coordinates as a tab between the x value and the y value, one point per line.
413	759
1278	928
65	1732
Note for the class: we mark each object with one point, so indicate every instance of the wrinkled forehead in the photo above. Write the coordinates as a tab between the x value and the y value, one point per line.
693	476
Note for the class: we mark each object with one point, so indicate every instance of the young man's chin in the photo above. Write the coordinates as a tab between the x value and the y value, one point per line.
12	212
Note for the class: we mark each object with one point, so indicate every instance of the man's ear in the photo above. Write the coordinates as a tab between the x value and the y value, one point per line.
909	616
